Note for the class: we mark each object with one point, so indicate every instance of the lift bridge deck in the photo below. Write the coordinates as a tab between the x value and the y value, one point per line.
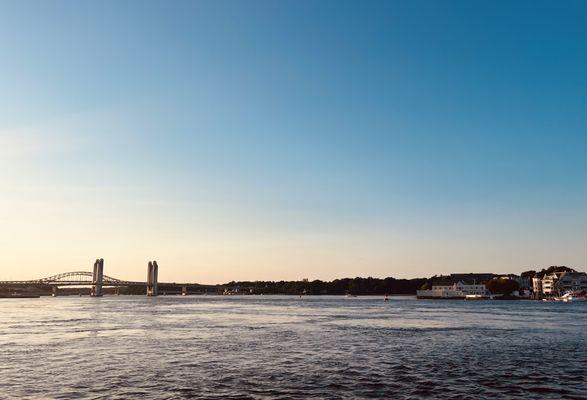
96	279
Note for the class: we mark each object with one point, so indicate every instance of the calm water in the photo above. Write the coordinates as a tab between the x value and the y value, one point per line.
285	347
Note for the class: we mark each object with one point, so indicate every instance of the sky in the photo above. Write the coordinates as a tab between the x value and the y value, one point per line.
269	140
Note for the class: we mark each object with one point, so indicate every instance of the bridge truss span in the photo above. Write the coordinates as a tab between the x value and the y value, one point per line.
75	278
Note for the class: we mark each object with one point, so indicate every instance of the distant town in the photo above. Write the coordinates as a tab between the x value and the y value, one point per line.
550	284
554	283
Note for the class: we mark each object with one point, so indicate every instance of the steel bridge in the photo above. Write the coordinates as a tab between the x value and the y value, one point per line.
76	278
96	279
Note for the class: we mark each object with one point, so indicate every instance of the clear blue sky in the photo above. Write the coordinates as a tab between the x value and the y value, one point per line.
292	139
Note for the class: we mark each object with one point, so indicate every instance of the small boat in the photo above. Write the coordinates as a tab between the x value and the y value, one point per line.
350	295
570	297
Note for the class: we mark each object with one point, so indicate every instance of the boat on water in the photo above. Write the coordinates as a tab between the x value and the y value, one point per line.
571	297
350	295
478	297
568	297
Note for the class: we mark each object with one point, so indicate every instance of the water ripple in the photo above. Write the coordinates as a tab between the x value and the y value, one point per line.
275	347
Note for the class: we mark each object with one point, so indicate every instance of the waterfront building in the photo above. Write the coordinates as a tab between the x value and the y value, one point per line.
548	282
523	282
559	282
453	290
537	286
570	282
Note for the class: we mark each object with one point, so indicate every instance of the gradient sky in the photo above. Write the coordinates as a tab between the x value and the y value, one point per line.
292	139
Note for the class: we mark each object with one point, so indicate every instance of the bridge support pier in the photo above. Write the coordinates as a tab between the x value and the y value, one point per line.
152	276
184	290
98	278
54	291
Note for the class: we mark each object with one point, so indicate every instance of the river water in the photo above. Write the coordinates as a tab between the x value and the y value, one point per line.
132	347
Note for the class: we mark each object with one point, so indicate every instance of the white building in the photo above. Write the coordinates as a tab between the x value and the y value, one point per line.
457	290
560	283
548	282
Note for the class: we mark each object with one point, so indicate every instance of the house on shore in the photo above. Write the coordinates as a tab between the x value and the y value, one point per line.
559	282
456	286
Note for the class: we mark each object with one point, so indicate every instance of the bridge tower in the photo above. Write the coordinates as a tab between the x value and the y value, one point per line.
98	278
152	276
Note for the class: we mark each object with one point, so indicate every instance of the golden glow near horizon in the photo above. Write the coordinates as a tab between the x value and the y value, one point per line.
63	205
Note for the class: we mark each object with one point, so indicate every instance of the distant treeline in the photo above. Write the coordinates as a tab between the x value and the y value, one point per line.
25	289
541	274
354	286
